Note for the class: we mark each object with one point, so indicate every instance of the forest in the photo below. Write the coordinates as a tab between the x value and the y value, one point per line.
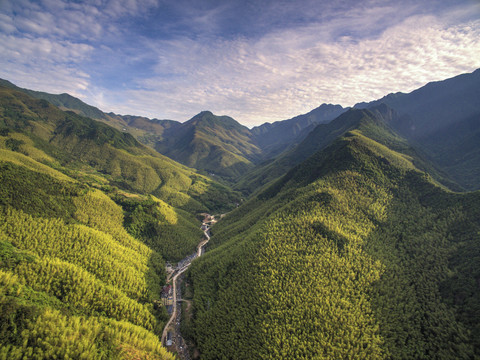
88	217
352	244
354	253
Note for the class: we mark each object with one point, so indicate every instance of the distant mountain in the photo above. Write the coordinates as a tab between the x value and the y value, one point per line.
72	141
442	119
63	101
276	137
320	137
147	131
217	145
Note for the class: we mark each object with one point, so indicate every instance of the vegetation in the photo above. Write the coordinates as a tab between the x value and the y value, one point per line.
214	144
172	233
441	120
349	246
279	136
81	147
352	254
83	240
70	271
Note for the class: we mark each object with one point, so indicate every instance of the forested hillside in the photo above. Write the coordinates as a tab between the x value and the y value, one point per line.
354	242
354	253
214	144
275	138
88	217
442	119
373	122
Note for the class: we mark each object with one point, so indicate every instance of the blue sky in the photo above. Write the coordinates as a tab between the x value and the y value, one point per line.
256	61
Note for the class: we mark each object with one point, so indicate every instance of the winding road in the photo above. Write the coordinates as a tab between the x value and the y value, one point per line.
185	264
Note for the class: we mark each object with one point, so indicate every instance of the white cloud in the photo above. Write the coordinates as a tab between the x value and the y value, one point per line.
289	72
341	55
43	64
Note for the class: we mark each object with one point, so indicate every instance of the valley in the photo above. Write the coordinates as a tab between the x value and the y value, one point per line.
345	232
172	328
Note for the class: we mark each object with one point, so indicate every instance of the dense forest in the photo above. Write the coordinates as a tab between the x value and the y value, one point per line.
88	217
357	240
354	253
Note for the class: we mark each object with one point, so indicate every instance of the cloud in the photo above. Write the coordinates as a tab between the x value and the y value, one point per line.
288	72
119	8
255	63
6	24
43	64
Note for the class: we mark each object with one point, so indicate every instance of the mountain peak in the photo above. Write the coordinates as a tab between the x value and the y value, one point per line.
208	119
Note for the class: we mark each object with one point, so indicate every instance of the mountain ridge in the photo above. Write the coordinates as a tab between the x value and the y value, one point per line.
229	151
348	242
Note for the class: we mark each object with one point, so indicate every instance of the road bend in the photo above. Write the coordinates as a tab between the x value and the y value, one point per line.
181	268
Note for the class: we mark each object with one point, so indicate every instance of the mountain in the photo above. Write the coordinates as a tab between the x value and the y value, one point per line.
88	218
218	145
275	138
353	253
62	101
105	158
147	131
442	119
213	144
351	243
438	114
370	121
440	122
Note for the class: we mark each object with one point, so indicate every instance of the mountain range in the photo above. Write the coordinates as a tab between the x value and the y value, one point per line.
429	117
212	144
349	232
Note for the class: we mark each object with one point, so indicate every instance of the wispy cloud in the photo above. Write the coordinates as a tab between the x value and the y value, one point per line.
255	63
288	72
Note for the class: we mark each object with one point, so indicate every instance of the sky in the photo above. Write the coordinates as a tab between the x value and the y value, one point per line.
256	61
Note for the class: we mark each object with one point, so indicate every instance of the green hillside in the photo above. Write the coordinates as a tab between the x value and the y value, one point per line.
110	157
356	242
441	120
275	138
214	144
88	216
147	131
73	282
354	253
373	122
62	101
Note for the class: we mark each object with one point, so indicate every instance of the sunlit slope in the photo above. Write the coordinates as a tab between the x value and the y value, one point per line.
82	145
73	282
354	253
214	144
147	131
83	241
